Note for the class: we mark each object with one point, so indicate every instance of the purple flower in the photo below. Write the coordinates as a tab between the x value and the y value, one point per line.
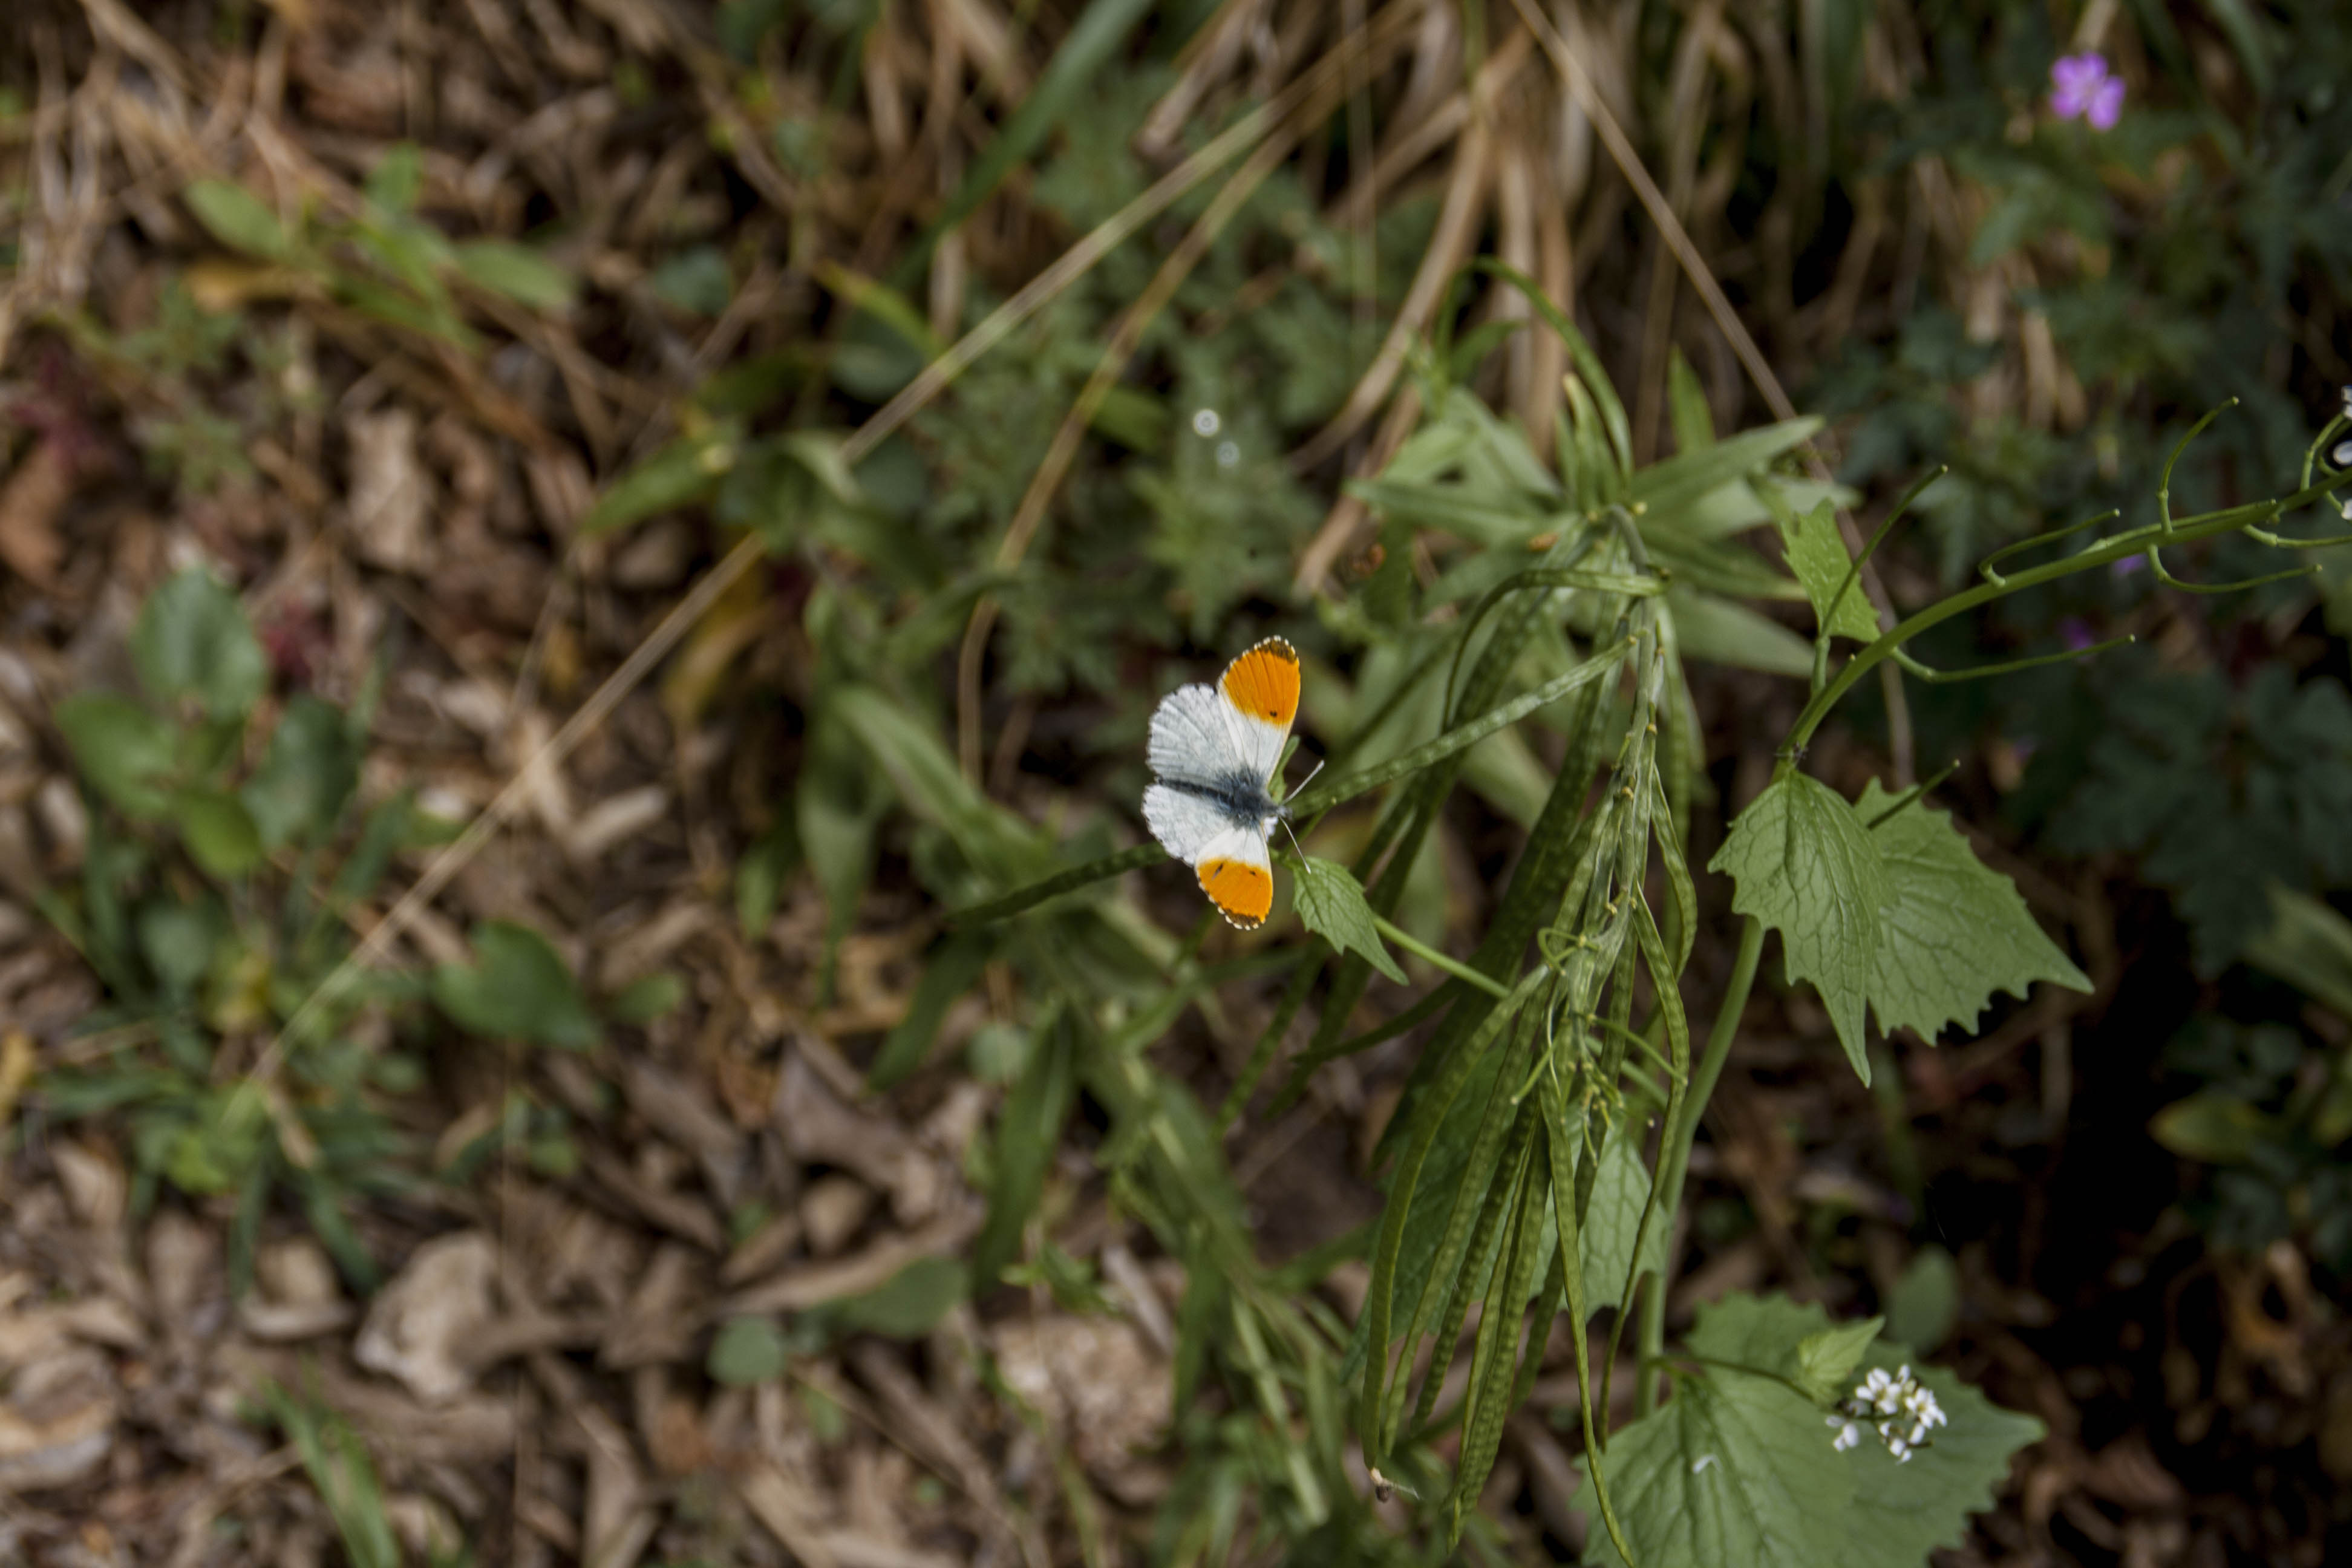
2080	85
2127	565
2075	633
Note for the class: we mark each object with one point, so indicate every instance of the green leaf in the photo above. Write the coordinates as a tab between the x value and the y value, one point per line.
1926	1300
838	804
2309	946
1621	1189
1734	1469
1330	903
1668	486
952	969
696	281
386	831
217	832
909	1304
517	271
520	988
1028	1130
1765	1335
2214	1126
1738	1467
1817	555
1904	1512
909	748
397	178
1724	632
997	1053
193	640
1686	404
1825	1360
431	316
1807	869
179	940
747	1350
760	875
1952	931
306	776
644	1000
239	219
126	752
685	473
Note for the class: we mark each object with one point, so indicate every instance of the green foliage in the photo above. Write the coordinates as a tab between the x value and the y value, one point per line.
1952	930
2220	792
747	1350
953	969
1817	555
1514	1167
2272	1112
1882	903
1925	1304
518	988
2158	251
193	641
1738	1467
223	870
336	1459
906	1306
1806	866
1329	901
685	472
388	263
127	753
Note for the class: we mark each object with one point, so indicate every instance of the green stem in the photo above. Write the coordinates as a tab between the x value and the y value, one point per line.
2105	554
1455	967
1674	1159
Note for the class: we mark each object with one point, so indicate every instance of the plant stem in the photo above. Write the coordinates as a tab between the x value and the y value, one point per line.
1456	967
2138	541
1673	1157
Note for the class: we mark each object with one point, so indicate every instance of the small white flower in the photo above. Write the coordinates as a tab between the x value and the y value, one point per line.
1206	424
1899	1408
1228	454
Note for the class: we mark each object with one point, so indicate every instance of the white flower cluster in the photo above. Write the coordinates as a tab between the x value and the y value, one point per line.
1903	1411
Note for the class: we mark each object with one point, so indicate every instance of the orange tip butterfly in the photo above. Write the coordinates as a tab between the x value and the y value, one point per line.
1214	750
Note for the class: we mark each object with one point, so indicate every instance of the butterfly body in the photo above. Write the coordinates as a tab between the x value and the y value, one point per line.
1214	750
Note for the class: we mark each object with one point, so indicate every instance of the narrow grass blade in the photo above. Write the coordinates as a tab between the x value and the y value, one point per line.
1076	877
1464	736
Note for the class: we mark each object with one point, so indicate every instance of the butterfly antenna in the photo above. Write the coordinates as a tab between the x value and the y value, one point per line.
1310	779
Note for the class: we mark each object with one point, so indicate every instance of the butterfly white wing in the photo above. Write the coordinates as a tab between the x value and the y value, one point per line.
1185	824
1193	738
1257	744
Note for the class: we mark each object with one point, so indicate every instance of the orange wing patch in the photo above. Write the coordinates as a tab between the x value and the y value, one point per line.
1264	682
1241	891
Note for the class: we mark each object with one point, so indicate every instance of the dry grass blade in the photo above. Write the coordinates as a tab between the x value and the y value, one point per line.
1726	321
1467	188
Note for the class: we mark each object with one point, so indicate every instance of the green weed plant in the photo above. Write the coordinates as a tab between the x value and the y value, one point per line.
227	863
1539	1152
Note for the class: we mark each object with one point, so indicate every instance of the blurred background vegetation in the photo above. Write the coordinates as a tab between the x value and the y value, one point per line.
429	420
